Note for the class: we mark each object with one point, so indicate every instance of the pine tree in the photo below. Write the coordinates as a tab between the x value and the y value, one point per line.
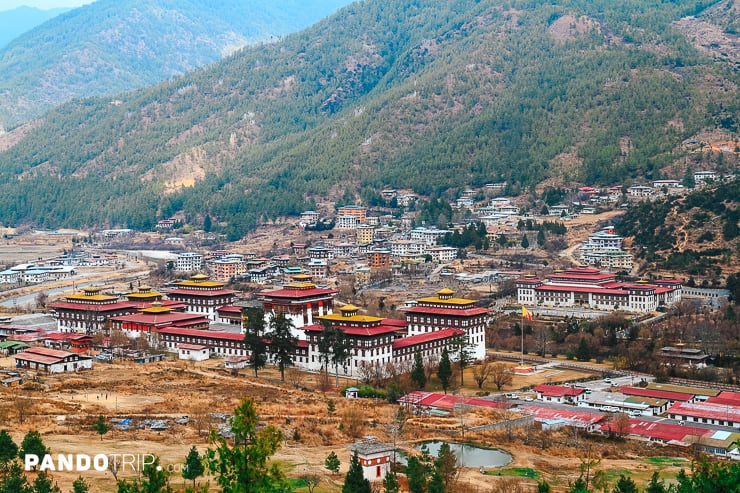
243	467
253	338
416	473
625	485
543	487
525	241
193	466
436	484
332	463
355	481
390	483
656	485
14	481
583	353
79	485
33	445
43	484
282	342
8	448
418	375
101	426
444	371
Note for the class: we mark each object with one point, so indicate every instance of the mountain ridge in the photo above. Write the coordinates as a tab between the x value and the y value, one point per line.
111	46
459	93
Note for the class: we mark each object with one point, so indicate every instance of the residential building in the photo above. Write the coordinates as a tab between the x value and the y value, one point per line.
640	191
189	262
365	234
51	360
562	394
442	254
228	267
705	176
428	236
559	211
346	222
318	269
379	258
353	210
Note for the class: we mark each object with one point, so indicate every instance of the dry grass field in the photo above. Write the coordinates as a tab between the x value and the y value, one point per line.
64	407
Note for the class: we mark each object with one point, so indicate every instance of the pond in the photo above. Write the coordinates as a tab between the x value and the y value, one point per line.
471	455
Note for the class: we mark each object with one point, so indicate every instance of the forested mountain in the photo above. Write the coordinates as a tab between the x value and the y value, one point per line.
428	94
111	46
698	234
16	21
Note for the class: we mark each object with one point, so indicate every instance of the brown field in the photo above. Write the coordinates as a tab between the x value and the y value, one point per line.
172	389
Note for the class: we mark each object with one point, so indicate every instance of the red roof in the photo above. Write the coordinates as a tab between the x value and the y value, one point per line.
581	289
202	292
706	410
582	276
426	337
454	312
448	402
193	347
574	417
94	307
529	281
370	331
660	431
161	318
230	309
394	321
557	390
726	398
212	334
297	293
657	394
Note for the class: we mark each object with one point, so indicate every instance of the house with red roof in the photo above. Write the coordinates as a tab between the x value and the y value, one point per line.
202	296
52	360
559	393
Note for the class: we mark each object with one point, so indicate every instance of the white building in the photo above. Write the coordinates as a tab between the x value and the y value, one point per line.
346	222
428	236
189	262
375	458
192	352
52	360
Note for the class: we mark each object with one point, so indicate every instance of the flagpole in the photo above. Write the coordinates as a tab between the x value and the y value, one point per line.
522	331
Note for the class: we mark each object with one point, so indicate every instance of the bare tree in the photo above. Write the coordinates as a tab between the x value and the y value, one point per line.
500	375
481	373
41	299
352	421
310	479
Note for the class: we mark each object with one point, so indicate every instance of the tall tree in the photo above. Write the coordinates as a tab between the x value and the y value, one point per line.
418	375
254	330
14	481
463	351
416	472
444	371
283	343
355	481
446	465
481	373
193	465
334	347
8	448
33	445
243	467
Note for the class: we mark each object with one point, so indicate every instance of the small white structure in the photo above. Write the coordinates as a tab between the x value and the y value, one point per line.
374	456
351	393
192	352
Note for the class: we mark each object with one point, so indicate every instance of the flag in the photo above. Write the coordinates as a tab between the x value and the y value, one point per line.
526	314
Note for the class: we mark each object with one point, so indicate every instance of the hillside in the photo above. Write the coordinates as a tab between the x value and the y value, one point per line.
16	21
111	46
697	235
430	95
